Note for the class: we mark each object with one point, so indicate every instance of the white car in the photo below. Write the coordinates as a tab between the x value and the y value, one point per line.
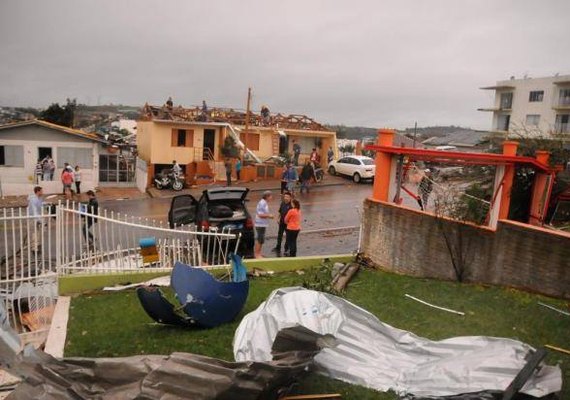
357	167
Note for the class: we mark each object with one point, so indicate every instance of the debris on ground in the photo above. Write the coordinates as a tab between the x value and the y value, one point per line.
206	301
160	281
257	272
344	276
376	355
177	376
554	308
434	306
319	278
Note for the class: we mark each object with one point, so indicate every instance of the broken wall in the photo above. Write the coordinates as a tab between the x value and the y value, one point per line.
411	242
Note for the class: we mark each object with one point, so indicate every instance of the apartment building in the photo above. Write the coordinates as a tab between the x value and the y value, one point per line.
531	107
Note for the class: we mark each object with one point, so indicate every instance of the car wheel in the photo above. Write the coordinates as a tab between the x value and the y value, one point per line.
356	177
332	171
177	185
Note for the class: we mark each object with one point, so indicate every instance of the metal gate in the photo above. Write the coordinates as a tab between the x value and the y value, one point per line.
69	239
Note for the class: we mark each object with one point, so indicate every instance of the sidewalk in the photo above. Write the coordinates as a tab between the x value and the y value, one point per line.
254	186
103	194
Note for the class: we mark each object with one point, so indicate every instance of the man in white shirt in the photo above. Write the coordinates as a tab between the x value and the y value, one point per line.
176	169
35	206
262	217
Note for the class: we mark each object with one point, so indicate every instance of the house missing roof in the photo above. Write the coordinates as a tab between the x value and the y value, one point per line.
194	137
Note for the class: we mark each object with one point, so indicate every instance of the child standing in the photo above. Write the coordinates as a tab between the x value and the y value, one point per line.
293	221
238	169
77	179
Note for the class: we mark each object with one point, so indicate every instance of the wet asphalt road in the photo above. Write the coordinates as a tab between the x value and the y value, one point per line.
324	210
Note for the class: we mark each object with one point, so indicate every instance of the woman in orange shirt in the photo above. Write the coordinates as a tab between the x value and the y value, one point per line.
293	221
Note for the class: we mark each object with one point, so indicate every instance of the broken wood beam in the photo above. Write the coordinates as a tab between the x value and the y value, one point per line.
342	279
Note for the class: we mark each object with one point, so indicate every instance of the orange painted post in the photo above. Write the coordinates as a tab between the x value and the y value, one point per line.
358	150
383	166
509	149
540	191
542	156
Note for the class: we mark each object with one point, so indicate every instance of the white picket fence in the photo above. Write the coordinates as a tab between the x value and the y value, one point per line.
35	250
115	247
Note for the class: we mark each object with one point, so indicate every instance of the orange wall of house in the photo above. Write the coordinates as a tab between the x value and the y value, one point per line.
154	142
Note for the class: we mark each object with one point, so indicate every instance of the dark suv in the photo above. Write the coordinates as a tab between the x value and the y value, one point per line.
218	207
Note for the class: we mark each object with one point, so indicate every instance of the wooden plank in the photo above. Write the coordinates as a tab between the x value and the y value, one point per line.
55	342
559	349
524	374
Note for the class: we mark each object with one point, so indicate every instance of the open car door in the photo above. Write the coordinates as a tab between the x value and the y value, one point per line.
182	210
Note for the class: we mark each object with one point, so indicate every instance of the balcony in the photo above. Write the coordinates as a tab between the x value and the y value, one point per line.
563	104
562	128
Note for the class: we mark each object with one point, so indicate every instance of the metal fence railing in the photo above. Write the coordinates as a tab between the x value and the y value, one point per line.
110	242
28	271
68	239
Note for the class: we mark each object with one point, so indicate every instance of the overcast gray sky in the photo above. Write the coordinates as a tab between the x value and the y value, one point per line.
369	63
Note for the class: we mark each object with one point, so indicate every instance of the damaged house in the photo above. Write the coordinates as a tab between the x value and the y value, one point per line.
194	138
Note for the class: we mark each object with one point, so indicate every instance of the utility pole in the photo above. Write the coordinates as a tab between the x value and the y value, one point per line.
415	132
247	112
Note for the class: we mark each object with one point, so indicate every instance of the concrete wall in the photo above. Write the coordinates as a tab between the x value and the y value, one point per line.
518	255
21	180
522	107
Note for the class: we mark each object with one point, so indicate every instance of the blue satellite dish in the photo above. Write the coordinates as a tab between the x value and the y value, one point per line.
206	300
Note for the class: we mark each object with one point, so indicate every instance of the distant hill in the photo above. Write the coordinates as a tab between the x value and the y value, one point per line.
359	132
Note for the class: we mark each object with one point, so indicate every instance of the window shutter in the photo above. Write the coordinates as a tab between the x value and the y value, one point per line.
174	138
189	138
253	141
14	156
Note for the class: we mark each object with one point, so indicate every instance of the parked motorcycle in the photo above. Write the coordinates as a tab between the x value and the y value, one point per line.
319	173
168	180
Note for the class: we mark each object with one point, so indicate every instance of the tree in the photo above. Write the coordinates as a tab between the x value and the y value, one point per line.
60	115
229	149
452	214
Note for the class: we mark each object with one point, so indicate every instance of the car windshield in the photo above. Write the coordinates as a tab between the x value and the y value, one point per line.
367	161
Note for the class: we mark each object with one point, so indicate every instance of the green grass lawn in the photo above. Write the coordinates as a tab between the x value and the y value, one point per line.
114	324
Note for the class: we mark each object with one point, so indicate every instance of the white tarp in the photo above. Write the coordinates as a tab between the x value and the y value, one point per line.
374	354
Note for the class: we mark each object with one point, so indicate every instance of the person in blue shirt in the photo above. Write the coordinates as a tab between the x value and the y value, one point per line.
290	178
238	169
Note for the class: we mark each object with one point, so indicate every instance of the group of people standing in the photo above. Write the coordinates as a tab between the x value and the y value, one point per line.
35	210
70	176
289	219
45	169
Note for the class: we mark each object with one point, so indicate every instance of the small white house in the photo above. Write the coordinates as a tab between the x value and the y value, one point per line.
22	144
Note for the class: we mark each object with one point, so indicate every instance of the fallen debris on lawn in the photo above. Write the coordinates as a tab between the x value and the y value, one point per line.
177	376
376	355
206	301
434	306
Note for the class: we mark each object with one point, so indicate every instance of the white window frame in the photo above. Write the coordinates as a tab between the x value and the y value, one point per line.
532	119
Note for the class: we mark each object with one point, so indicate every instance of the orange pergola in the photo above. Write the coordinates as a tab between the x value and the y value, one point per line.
387	155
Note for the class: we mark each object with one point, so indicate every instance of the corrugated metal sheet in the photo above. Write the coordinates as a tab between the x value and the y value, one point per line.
376	355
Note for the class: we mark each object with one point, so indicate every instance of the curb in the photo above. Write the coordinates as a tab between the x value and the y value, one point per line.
254	189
